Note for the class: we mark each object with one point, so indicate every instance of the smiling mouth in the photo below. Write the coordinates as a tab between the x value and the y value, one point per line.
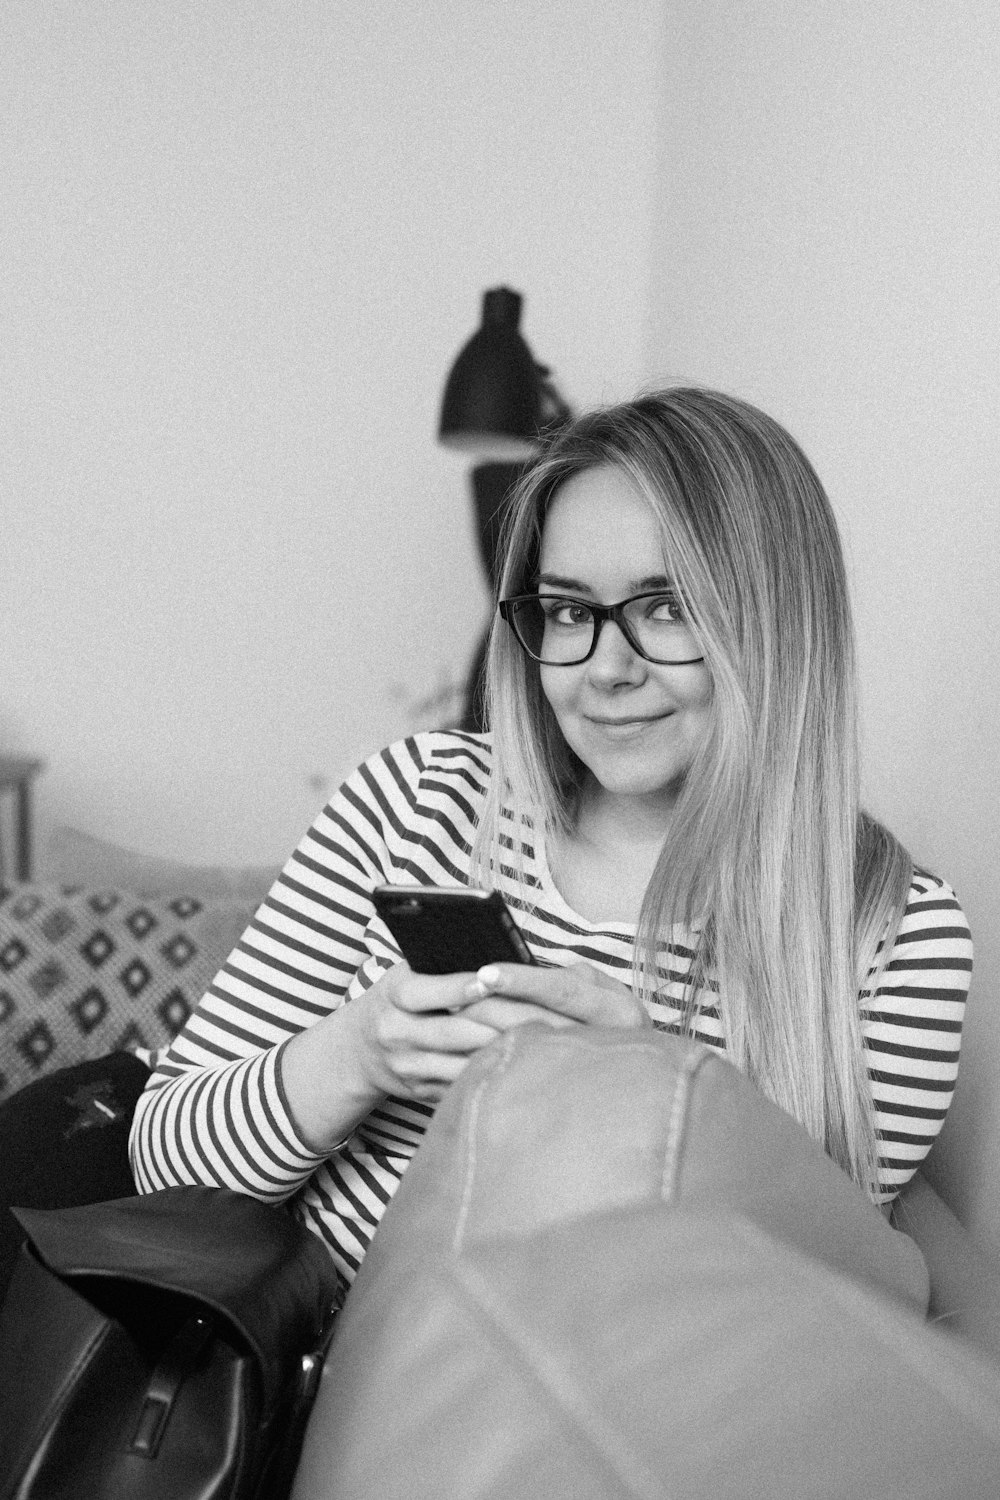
627	723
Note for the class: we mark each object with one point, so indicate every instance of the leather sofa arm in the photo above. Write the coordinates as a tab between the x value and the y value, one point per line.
964	1278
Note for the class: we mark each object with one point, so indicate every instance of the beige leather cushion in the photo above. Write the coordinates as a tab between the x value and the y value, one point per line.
613	1268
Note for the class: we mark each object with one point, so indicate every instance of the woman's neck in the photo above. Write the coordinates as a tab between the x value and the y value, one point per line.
604	864
623	824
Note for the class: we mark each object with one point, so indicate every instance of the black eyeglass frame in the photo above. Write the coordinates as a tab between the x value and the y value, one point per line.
601	614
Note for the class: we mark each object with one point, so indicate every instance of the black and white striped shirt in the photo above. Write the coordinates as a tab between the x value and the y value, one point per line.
214	1111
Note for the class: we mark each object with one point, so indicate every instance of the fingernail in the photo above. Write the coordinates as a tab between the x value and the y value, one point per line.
490	975
474	990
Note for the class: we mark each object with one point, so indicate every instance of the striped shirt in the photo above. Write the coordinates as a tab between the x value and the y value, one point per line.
214	1110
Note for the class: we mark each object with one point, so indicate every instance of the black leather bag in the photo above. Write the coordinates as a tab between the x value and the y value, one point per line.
165	1347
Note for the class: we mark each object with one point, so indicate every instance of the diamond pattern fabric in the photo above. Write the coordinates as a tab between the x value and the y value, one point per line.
85	972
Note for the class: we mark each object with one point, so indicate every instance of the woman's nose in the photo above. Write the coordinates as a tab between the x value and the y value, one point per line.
614	660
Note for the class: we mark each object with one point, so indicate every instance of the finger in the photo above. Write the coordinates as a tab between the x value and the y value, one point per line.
574	991
442	1033
578	992
426	1074
503	1014
429	992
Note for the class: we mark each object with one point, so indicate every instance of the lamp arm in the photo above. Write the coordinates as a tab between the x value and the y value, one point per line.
554	411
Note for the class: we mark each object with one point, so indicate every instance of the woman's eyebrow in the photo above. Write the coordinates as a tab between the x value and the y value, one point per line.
575	586
558	581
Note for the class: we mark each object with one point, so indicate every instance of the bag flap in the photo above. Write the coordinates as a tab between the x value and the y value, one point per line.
248	1261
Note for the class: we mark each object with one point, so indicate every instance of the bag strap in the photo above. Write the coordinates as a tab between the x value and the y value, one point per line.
181	1356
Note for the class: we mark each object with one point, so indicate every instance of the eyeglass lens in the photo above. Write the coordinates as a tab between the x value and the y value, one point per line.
560	632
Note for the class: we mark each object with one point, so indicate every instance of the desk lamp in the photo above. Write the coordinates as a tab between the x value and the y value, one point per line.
499	406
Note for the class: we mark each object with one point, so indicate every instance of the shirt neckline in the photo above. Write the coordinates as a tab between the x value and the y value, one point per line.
543	875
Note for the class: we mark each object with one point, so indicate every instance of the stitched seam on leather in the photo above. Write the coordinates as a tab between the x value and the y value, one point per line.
676	1127
473	1125
550	1373
584	1044
692	1062
509	1042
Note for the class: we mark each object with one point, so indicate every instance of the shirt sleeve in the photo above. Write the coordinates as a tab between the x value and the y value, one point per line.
214	1111
912	1025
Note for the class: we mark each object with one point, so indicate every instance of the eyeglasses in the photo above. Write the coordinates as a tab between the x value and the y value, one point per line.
560	631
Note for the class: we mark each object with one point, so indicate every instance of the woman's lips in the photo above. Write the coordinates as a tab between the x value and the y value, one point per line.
623	726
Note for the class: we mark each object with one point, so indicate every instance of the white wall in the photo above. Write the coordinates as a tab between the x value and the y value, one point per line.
240	245
825	243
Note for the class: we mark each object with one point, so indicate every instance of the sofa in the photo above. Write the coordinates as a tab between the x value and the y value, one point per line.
110	952
614	1269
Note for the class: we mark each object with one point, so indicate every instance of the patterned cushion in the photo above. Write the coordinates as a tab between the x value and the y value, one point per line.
85	972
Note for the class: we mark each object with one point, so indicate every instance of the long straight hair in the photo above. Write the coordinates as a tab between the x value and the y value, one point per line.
790	893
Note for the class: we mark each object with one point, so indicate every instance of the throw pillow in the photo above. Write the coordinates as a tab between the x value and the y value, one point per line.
87	972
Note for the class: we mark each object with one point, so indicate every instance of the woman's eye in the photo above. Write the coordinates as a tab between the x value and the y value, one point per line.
665	607
566	612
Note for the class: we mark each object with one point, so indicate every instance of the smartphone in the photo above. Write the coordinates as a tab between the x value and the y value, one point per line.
445	929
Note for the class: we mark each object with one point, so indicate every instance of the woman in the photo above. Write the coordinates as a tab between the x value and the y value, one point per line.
668	800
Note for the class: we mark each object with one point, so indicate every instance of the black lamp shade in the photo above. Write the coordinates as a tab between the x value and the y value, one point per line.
492	403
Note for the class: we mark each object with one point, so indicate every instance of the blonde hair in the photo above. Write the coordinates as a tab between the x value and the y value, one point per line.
792	892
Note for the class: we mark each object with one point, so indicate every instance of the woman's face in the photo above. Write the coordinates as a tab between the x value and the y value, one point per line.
635	725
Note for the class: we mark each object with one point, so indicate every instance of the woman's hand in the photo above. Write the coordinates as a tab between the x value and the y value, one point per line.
412	1034
404	1035
416	1034
505	995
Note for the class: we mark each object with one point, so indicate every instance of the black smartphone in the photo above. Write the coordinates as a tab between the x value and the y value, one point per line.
445	929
